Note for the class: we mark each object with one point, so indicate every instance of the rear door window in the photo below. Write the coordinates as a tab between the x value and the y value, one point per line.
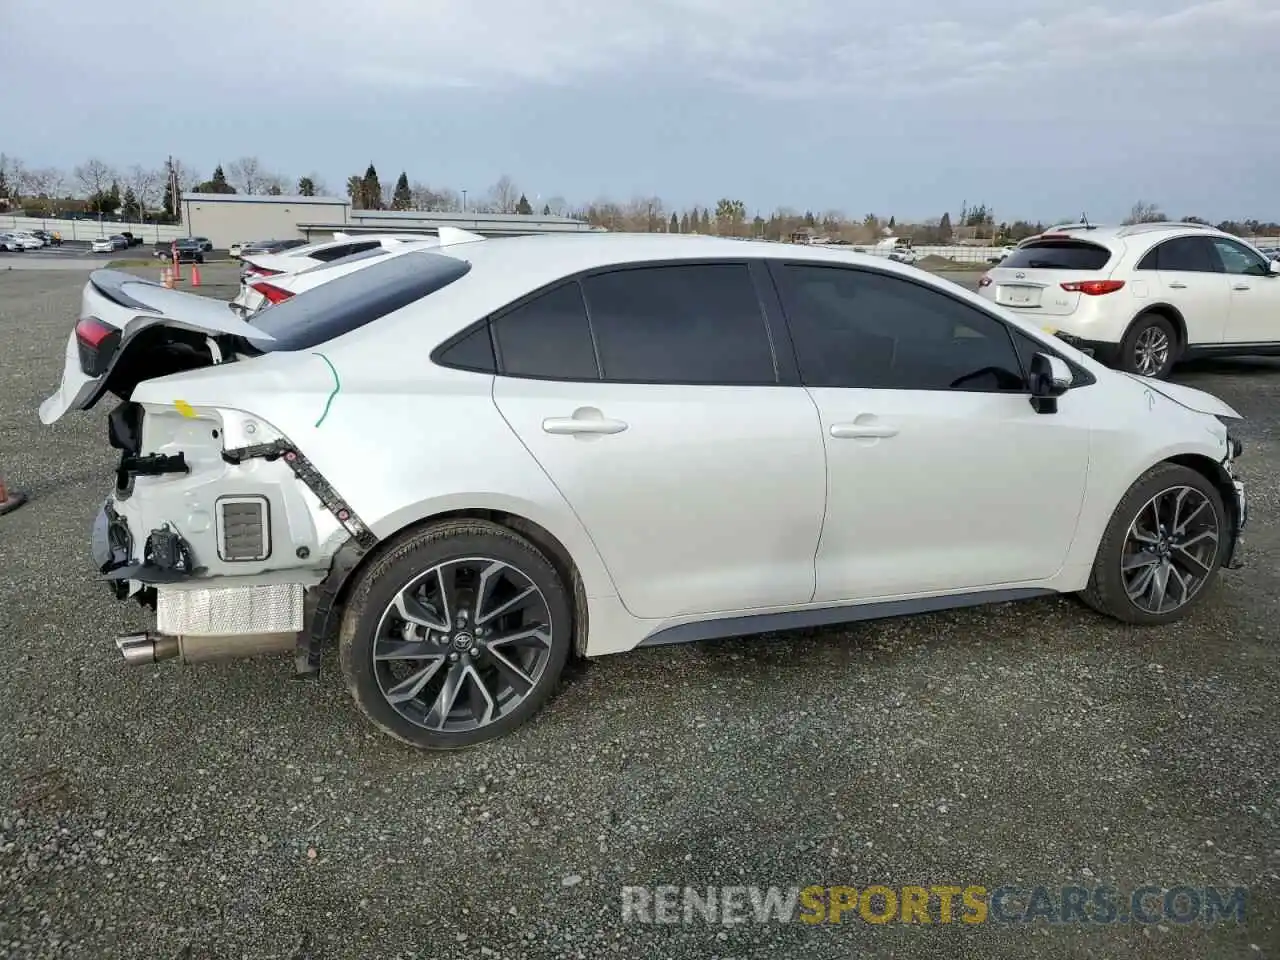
689	324
1182	255
547	338
1058	255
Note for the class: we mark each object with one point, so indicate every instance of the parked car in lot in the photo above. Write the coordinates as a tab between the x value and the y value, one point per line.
11	244
188	250
129	239
460	464
26	239
269	246
1003	253
47	238
257	267
1145	296
205	244
103	245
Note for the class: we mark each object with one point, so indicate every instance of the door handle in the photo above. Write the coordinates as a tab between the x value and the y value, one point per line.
582	425
848	431
1241	286
1177	286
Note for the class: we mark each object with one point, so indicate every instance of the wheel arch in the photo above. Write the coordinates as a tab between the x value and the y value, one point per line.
1170	313
324	617
1215	473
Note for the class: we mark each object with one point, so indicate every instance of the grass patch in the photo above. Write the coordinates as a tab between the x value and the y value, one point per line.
128	264
938	264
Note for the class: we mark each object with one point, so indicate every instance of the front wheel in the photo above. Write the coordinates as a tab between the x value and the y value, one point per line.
1150	347
456	636
1162	550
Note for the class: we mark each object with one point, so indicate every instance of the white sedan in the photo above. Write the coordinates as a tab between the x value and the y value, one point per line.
102	245
460	465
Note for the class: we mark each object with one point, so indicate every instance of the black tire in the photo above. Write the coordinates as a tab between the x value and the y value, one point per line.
1148	325
408	560
1105	591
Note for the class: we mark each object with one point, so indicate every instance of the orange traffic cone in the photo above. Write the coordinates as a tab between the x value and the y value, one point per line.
195	275
10	499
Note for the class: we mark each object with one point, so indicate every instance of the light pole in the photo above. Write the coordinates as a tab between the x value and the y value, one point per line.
464	201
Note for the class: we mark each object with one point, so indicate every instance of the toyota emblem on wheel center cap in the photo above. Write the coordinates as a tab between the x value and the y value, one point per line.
463	641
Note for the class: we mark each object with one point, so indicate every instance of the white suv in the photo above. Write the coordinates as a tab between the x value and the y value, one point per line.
1145	296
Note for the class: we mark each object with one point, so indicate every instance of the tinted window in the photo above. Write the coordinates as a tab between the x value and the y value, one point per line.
472	352
854	328
1239	259
1058	255
345	303
343	250
700	323
351	258
1182	255
547	337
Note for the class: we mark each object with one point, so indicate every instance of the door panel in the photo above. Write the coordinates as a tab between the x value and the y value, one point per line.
940	475
1254	292
932	491
1190	278
699	498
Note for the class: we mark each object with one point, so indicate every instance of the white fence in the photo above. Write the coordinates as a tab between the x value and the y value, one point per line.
92	229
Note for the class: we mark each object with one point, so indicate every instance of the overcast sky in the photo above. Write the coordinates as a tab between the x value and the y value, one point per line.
1040	108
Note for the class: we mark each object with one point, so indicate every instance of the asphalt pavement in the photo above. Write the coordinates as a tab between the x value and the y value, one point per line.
222	810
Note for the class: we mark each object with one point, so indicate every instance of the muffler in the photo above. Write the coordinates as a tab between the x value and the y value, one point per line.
141	648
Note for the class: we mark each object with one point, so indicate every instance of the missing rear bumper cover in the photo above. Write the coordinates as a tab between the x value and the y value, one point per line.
304	470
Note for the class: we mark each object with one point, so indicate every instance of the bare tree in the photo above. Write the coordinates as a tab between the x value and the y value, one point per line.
1142	212
558	206
145	184
275	184
504	195
94	177
247	175
32	182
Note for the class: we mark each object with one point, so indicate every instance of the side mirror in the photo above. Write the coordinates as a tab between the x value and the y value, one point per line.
1275	265
1050	379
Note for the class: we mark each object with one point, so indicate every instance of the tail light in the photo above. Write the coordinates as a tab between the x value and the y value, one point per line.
263	272
984	281
273	293
1093	288
97	343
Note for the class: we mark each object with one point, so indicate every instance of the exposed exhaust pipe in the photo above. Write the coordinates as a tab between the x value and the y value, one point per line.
142	648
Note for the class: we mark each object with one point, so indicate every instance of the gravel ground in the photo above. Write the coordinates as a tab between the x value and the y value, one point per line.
224	811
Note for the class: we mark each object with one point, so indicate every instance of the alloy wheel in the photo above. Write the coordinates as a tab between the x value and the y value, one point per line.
1170	550
1151	351
462	645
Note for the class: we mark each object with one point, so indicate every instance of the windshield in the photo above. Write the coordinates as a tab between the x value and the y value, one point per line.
1058	255
349	302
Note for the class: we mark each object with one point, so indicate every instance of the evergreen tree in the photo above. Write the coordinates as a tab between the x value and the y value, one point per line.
402	197
684	222
944	228
129	206
546	209
219	181
306	187
674	226
371	190
168	198
522	206
893	222
706	221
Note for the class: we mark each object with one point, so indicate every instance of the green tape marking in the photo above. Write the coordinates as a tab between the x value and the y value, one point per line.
337	387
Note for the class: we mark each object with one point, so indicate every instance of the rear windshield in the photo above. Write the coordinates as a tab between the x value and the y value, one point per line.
349	302
1058	255
349	258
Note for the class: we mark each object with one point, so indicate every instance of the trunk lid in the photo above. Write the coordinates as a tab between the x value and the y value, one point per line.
1047	276
132	330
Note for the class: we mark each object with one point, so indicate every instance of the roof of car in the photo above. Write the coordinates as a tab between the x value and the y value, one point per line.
573	252
1106	235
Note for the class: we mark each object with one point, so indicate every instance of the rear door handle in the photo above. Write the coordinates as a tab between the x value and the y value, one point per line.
1242	286
582	425
1177	286
847	431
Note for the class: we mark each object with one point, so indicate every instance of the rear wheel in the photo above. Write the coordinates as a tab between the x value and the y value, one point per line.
1162	549
457	636
1150	347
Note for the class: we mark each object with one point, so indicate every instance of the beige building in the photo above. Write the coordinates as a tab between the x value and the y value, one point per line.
239	218
227	218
